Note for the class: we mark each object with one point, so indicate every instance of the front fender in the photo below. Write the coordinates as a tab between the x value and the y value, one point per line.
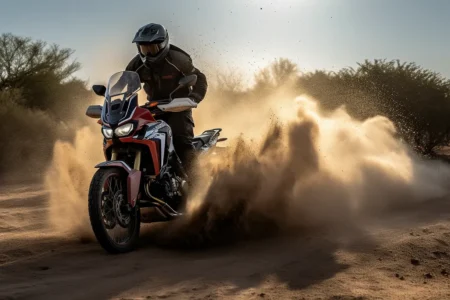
133	178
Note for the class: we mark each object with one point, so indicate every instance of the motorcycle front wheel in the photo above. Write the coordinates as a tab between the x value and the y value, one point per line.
116	226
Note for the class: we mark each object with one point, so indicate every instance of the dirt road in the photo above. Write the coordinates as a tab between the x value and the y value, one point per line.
406	257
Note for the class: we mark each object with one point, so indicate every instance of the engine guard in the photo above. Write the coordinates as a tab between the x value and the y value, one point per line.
133	179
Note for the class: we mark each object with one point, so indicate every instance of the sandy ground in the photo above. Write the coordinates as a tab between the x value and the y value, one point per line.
406	256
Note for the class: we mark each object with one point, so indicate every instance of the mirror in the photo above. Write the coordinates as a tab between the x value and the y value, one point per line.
94	111
99	90
187	81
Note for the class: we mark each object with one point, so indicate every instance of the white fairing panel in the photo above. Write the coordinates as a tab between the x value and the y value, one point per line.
178	104
161	131
153	129
162	138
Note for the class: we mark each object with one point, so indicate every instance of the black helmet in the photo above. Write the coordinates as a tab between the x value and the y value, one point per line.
152	41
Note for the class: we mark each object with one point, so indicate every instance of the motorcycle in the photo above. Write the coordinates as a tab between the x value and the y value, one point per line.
142	179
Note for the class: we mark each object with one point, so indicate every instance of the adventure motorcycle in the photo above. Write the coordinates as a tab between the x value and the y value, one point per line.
142	179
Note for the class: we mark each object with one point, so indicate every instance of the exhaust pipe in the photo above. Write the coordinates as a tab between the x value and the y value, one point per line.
152	214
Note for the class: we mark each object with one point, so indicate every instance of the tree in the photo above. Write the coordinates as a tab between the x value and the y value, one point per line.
415	99
38	94
282	71
36	68
230	82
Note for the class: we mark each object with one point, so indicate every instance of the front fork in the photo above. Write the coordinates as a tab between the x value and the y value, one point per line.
133	179
137	158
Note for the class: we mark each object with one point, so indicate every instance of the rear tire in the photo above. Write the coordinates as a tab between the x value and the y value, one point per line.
97	196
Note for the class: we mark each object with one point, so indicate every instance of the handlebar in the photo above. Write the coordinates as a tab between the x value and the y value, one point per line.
170	105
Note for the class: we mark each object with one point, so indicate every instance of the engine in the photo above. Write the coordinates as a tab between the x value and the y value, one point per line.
168	188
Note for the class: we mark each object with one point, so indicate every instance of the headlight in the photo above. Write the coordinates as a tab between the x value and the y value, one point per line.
107	132
124	129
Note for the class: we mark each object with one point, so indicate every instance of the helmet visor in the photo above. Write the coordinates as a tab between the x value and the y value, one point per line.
149	49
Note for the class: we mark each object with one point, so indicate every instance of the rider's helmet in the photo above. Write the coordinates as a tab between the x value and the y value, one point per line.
152	41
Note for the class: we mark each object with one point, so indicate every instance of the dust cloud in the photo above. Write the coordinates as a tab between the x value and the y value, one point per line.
307	170
288	167
68	179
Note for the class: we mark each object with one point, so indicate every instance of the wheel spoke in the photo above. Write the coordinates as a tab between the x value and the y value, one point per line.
120	186
115	225
116	218
110	191
116	185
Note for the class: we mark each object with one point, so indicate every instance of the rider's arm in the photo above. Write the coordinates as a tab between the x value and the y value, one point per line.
201	86
187	68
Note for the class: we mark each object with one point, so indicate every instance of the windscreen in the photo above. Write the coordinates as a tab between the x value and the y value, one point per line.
119	104
123	83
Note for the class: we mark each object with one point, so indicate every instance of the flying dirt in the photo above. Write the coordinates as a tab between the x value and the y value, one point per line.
329	202
303	168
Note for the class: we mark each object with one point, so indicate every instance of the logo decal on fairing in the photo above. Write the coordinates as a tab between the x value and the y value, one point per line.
152	129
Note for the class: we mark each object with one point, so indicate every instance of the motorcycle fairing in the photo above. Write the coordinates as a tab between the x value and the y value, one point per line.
133	179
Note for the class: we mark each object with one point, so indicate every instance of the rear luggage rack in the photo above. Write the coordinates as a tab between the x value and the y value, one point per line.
207	138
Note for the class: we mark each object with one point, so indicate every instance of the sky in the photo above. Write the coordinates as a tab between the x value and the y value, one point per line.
241	36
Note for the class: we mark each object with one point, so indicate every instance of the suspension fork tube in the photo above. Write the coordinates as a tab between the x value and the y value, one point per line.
113	154
137	160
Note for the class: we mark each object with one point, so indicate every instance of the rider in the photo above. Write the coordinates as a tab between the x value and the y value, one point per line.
160	66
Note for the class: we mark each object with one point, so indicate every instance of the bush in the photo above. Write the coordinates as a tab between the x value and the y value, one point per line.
39	97
415	99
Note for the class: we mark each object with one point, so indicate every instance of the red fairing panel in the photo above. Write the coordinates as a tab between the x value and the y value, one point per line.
154	150
133	184
133	179
143	116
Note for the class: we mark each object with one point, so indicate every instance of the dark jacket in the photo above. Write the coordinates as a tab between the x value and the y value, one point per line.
163	78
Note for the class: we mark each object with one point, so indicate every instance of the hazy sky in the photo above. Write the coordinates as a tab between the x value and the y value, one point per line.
316	34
